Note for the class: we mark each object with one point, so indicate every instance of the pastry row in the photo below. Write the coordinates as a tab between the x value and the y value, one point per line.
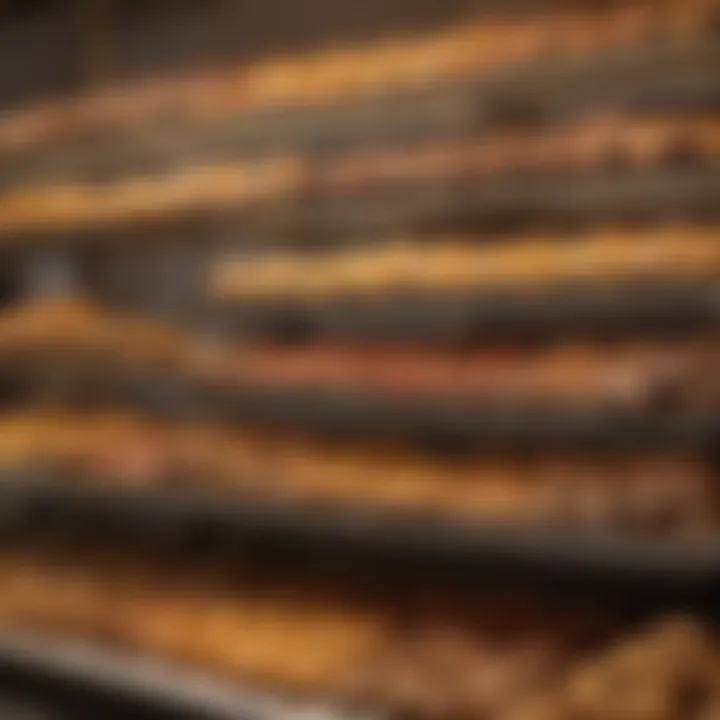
61	325
659	492
499	656
636	375
590	143
457	263
611	139
467	49
70	337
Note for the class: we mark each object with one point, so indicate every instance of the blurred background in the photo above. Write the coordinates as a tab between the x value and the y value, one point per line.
359	359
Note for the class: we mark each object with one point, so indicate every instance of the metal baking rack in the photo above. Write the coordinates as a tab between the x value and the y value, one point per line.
455	423
519	199
86	379
671	307
681	571
336	412
652	78
79	676
400	546
516	199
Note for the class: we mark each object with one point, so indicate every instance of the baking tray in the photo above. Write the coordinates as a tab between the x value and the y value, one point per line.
655	308
439	423
652	78
87	680
382	545
454	423
509	201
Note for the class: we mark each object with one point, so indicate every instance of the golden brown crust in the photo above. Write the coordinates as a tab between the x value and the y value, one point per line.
74	326
620	375
452	263
214	187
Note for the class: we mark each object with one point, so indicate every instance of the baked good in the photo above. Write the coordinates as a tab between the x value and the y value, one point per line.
454	264
500	656
581	144
468	48
661	492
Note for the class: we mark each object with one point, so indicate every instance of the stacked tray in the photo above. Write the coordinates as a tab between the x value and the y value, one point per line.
463	297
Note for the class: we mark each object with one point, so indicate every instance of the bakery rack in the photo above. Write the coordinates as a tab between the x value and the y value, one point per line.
393	545
76	679
387	545
681	78
420	208
668	308
444	423
649	79
459	423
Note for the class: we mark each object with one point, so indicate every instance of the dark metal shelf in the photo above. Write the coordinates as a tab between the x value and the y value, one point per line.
663	308
440	423
456	423
392	544
447	424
